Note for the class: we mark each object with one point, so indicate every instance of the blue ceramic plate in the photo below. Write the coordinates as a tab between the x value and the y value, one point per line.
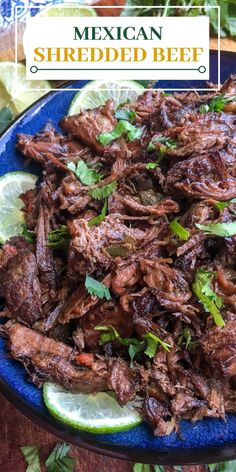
210	440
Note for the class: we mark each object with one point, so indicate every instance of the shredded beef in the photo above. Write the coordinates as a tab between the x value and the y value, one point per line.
89	124
116	303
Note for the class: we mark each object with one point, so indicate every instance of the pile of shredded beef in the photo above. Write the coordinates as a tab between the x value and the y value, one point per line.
164	342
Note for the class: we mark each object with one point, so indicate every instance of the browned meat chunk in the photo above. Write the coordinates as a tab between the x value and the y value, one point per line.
44	255
44	147
88	247
205	177
90	123
168	282
219	346
158	416
24	342
201	133
22	289
68	376
108	314
122	381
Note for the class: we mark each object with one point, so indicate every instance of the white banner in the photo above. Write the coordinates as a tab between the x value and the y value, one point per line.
147	48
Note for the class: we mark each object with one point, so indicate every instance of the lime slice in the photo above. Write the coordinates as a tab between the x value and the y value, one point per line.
71	10
12	185
97	92
5	100
19	94
98	413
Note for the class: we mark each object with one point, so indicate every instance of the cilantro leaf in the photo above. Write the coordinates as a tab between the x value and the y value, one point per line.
203	108
72	166
179	231
142	468
148	344
28	235
31	456
123	127
153	165
59	461
97	288
152	344
133	350
103	192
110	335
224	230
213	467
168	142
98	219
134	345
216	104
86	175
125	114
135	133
185	339
222	467
222	205
6	116
209	299
59	238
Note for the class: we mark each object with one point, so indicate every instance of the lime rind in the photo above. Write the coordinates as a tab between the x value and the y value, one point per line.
96	93
99	413
18	95
12	185
76	10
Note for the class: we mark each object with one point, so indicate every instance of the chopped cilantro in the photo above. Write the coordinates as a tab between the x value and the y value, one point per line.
86	175
97	288
103	192
125	114
152	344
179	231
59	238
209	299
28	235
222	205
59	461
167	142
98	219
216	104
123	127
31	456
224	230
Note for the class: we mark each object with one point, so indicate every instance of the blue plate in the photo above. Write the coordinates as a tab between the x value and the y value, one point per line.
210	440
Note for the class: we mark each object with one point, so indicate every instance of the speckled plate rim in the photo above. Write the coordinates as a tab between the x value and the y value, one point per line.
49	423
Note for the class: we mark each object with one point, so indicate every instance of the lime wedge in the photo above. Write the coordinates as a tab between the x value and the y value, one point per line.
98	413
12	185
5	100
19	95
97	92
70	10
